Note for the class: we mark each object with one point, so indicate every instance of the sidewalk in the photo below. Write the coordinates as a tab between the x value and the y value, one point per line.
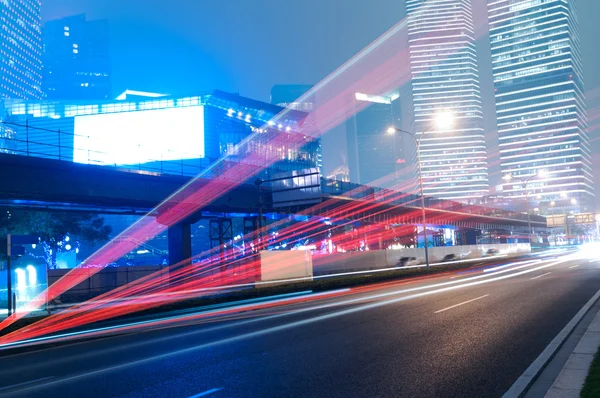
572	377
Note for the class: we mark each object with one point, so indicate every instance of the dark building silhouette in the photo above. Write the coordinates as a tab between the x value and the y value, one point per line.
287	95
374	156
76	59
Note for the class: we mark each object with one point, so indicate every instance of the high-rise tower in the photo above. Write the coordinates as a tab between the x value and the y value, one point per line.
540	103
445	78
76	59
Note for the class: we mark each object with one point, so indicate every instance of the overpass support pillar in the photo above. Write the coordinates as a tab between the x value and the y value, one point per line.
471	236
180	242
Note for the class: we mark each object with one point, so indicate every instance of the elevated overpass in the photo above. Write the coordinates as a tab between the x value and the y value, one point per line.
47	184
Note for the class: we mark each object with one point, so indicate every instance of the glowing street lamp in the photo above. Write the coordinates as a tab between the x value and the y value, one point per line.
525	182
442	121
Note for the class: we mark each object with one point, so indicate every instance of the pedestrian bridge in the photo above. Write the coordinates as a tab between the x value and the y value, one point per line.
54	184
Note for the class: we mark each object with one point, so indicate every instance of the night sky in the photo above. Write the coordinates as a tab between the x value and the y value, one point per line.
247	46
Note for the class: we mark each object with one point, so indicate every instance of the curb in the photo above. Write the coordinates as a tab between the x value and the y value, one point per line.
520	387
571	379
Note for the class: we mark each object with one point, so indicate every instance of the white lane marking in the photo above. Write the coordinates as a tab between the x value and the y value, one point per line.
25	383
459	304
575	266
205	393
539	276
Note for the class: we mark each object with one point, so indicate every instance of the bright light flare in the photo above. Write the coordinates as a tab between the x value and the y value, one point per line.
589	250
444	120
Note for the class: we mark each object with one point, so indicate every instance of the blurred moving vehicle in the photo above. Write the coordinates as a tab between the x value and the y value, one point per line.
450	257
492	252
406	261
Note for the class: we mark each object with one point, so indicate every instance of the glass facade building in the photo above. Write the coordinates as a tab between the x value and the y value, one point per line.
445	78
161	133
76	59
540	101
20	49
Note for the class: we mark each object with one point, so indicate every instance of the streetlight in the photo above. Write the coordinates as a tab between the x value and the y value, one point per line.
539	173
259	182
553	206
562	196
442	121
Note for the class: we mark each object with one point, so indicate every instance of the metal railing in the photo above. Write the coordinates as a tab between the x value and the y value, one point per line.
26	139
41	142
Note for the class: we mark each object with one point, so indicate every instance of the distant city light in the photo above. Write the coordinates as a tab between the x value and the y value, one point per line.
68	247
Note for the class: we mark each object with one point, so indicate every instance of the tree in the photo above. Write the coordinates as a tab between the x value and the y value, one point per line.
59	231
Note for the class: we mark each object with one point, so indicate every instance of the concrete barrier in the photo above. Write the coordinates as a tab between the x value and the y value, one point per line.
324	264
283	265
279	266
103	281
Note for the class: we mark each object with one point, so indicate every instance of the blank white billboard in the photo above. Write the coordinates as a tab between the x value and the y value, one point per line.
140	136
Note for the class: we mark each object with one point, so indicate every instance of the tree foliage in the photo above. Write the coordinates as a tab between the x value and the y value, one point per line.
53	228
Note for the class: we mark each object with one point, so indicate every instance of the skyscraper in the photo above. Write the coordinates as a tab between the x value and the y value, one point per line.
76	59
540	107
374	157
445	78
21	49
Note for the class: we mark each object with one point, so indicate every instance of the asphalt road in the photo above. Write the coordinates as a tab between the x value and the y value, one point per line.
454	335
